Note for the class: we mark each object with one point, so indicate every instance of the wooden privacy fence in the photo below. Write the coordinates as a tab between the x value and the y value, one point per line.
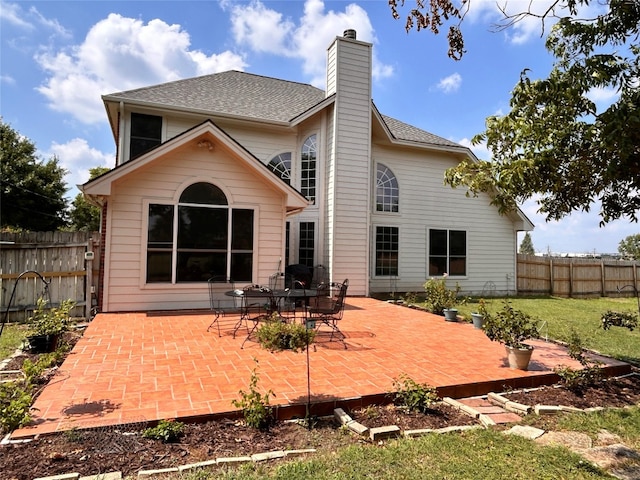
59	257
576	277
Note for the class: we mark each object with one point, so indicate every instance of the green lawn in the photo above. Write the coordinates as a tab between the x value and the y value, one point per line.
558	316
11	338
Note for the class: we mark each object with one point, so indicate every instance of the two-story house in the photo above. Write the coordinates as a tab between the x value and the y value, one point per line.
240	175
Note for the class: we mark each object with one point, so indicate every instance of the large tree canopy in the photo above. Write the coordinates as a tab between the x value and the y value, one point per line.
554	144
32	191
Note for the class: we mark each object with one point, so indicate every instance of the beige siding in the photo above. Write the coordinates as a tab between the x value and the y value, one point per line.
125	286
426	203
351	175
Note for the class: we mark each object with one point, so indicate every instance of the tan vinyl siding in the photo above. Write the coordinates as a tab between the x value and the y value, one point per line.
426	203
352	173
126	287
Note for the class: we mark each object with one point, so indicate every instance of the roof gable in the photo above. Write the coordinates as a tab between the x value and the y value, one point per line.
206	131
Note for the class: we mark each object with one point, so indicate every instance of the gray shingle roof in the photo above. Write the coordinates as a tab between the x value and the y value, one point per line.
247	95
404	131
232	93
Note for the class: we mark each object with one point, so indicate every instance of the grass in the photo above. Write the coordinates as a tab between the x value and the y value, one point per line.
558	316
486	454
11	338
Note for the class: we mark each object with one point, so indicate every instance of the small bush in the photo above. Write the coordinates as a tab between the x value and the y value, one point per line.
412	395
276	335
15	402
510	326
166	431
619	319
255	406
579	380
439	297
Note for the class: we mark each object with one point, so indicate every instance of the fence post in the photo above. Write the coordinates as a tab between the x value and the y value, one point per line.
551	276
603	280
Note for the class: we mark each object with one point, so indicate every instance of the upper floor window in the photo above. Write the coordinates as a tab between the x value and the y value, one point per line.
199	238
146	133
281	166
447	252
308	168
387	191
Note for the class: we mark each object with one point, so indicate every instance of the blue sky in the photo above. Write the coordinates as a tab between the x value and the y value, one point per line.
59	57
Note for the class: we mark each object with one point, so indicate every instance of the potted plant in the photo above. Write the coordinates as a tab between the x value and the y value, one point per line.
47	324
440	299
276	335
478	317
512	328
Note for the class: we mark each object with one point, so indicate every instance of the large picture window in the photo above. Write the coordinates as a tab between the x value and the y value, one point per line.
387	247
198	238
146	133
387	191
447	252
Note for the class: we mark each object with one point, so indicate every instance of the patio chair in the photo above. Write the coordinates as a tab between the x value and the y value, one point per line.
328	310
257	305
220	303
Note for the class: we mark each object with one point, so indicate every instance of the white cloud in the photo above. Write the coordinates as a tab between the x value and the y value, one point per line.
77	157
450	84
481	151
265	30
527	26
603	97
13	14
149	53
7	79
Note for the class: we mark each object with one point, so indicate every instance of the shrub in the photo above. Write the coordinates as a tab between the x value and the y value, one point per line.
439	297
255	406
510	326
166	431
619	319
276	335
412	395
51	321
579	380
15	402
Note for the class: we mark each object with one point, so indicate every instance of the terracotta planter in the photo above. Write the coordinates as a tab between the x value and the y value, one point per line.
519	358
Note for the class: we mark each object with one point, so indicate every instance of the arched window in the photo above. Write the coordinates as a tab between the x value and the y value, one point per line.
281	166
207	238
308	158
387	191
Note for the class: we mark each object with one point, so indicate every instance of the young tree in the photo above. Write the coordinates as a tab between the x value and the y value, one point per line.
32	190
526	246
84	216
629	247
554	142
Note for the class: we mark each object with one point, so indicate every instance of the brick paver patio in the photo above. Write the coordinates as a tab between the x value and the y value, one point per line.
142	367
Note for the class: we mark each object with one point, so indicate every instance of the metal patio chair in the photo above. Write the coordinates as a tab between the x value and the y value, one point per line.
329	310
220	303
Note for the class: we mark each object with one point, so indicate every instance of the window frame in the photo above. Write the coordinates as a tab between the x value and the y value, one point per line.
152	139
387	203
383	271
232	253
309	182
448	255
